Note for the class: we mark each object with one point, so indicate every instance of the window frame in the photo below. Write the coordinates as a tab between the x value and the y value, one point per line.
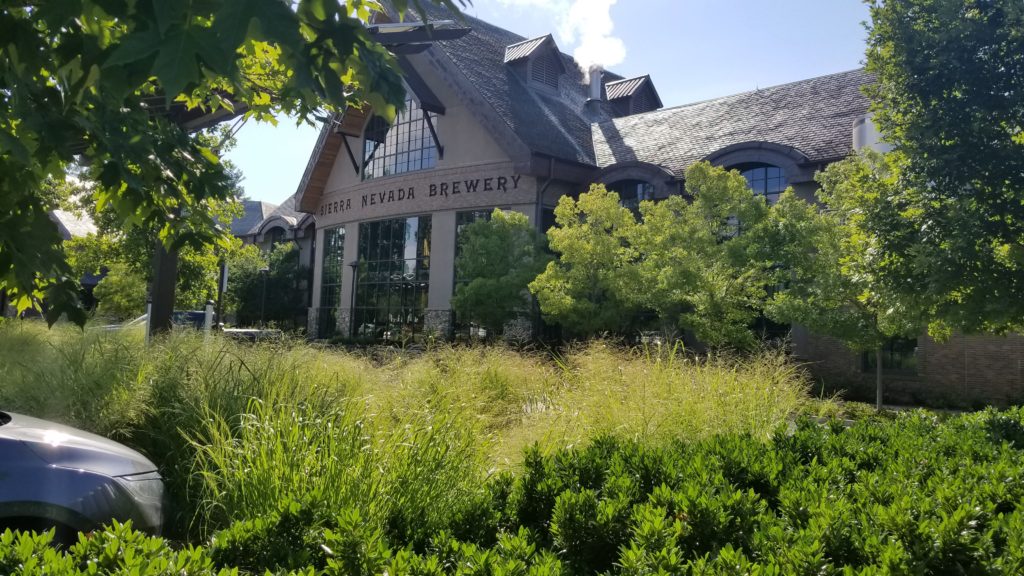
332	262
406	145
767	192
383	286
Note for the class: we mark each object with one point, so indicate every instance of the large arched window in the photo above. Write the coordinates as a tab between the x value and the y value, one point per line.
765	180
404	146
632	192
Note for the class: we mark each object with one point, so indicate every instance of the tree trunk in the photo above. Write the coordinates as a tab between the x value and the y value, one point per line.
878	378
165	280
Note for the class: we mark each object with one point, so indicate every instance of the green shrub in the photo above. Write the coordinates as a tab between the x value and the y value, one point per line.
116	549
587	530
307	459
915	494
291	538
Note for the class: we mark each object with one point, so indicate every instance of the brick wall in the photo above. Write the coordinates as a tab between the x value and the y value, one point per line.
965	371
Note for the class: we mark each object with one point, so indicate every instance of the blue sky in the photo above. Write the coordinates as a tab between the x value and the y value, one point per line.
693	50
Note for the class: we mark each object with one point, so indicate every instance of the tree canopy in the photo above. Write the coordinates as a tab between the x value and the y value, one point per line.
499	257
129	250
696	268
271	297
586	289
827	261
949	97
696	263
117	86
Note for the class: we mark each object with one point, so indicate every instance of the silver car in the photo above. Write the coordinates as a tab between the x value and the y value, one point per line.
55	476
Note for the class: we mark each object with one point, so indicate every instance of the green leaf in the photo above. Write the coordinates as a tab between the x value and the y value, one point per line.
175	66
134	47
209	155
212	52
231	24
170	13
316	10
13	146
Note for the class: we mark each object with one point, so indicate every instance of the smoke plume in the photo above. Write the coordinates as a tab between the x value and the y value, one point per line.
588	24
585	25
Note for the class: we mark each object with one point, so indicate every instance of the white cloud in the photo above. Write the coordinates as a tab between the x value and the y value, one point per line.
584	25
588	25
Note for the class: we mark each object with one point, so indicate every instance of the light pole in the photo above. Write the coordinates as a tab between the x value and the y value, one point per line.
263	301
352	301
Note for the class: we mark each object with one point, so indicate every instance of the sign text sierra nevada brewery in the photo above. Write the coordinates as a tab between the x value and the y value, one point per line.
437	190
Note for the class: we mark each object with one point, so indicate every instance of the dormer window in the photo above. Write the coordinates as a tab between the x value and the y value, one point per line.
537	61
404	146
545	69
633	96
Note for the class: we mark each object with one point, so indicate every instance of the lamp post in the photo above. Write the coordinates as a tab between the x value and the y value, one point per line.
352	301
263	301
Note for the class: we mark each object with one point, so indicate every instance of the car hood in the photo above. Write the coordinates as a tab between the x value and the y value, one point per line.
69	447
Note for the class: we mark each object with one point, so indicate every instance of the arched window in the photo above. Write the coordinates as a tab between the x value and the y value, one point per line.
632	192
404	146
276	236
765	180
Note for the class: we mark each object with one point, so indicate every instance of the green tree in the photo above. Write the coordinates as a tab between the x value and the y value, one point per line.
244	266
121	293
696	268
826	260
118	85
499	258
269	294
949	97
584	289
133	247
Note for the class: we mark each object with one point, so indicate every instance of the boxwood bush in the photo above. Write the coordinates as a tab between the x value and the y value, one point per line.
914	494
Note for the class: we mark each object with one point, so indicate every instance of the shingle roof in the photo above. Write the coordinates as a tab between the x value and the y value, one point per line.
520	50
547	124
285	211
72	224
255	212
814	116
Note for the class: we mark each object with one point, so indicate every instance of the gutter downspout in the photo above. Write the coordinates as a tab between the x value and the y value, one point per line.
539	223
539	209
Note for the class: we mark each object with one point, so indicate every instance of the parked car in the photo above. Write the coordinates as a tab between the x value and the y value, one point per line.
55	476
190	318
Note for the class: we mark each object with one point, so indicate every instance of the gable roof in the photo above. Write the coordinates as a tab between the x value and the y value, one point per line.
521	50
286	212
254	213
813	116
550	124
624	88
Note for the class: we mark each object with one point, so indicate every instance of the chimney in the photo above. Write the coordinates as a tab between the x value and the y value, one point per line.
594	109
595	73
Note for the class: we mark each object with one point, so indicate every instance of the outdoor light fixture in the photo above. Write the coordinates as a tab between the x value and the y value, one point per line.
265	271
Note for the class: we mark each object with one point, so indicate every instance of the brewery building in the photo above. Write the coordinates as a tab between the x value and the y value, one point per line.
493	119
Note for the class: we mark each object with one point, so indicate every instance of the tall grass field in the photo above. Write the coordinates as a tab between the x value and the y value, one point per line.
301	459
236	427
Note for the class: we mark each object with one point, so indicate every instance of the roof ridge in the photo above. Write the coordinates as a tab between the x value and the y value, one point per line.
535	38
744	93
627	79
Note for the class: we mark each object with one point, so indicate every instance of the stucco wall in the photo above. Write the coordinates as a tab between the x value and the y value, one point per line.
464	140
